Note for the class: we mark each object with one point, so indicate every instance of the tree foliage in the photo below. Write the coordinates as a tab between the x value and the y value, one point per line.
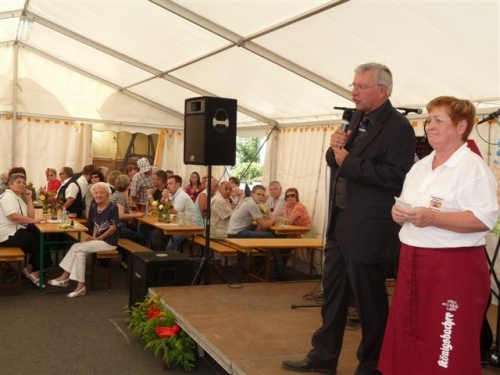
254	173
246	150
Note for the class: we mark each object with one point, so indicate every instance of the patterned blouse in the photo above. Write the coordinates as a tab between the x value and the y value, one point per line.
104	219
303	219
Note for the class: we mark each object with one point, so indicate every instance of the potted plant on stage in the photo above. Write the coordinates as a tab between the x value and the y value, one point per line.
157	328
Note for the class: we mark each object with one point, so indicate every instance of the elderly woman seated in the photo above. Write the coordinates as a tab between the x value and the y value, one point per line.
295	212
104	238
15	215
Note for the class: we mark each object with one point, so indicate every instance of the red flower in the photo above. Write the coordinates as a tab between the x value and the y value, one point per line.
271	209
153	313
163	332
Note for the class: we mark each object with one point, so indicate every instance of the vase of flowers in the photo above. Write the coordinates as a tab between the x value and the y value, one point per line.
164	211
263	210
44	199
54	206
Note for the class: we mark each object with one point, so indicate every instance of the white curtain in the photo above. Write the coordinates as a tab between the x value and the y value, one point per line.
37	144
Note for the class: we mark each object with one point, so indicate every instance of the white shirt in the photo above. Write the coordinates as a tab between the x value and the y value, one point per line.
183	203
10	203
276	206
243	215
463	183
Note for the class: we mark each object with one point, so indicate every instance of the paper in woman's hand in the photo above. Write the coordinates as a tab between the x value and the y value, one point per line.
403	204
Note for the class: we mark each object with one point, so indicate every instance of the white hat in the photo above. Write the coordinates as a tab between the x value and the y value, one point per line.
143	165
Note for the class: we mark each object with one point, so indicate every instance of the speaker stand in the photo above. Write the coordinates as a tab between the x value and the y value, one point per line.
207	259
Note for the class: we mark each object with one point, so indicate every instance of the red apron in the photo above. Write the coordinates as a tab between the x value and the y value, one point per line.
436	312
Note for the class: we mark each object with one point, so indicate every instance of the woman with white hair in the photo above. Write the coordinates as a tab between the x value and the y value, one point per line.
104	238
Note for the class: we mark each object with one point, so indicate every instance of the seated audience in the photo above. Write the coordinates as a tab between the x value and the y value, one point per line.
295	212
201	203
240	224
194	187
131	170
95	177
237	194
158	193
72	191
28	185
276	200
52	184
181	203
120	198
112	178
221	210
103	238
15	215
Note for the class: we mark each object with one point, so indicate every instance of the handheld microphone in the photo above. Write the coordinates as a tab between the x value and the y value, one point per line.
346	119
410	110
345	108
491	116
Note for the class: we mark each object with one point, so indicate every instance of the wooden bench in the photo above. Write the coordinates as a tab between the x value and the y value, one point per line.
11	255
106	255
217	246
131	247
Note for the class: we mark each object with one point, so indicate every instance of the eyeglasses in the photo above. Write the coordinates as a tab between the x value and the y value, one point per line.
291	196
362	87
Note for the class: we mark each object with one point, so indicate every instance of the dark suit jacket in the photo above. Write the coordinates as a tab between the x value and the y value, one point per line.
374	170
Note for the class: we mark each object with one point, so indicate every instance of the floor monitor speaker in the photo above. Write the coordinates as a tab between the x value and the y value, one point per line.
210	131
158	268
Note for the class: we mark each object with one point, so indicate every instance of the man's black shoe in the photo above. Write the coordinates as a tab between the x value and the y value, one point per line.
306	365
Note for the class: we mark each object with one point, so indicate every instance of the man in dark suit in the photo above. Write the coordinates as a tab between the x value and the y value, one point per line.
368	166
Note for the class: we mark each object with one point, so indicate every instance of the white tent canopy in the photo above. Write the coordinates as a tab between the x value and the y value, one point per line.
131	64
285	62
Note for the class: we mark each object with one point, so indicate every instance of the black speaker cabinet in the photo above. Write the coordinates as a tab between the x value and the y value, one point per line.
210	131
158	268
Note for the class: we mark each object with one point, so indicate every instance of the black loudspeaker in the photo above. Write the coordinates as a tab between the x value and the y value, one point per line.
210	131
158	268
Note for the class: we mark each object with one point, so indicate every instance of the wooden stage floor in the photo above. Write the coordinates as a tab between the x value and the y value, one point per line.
252	329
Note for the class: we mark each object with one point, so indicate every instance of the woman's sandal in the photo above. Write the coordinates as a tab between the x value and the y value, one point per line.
34	280
62	283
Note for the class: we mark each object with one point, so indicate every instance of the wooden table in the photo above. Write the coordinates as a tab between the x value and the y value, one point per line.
267	245
171	229
289	230
55	228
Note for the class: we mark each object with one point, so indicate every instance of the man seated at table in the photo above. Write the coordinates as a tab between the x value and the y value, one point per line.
240	223
221	210
241	226
182	204
158	193
276	201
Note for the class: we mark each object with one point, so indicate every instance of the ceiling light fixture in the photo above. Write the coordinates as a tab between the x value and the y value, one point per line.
24	30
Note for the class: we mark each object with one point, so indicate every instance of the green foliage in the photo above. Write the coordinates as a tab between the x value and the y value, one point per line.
254	173
246	150
177	351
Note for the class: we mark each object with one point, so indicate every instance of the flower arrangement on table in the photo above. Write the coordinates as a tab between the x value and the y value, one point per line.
49	200
163	209
264	211
156	326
